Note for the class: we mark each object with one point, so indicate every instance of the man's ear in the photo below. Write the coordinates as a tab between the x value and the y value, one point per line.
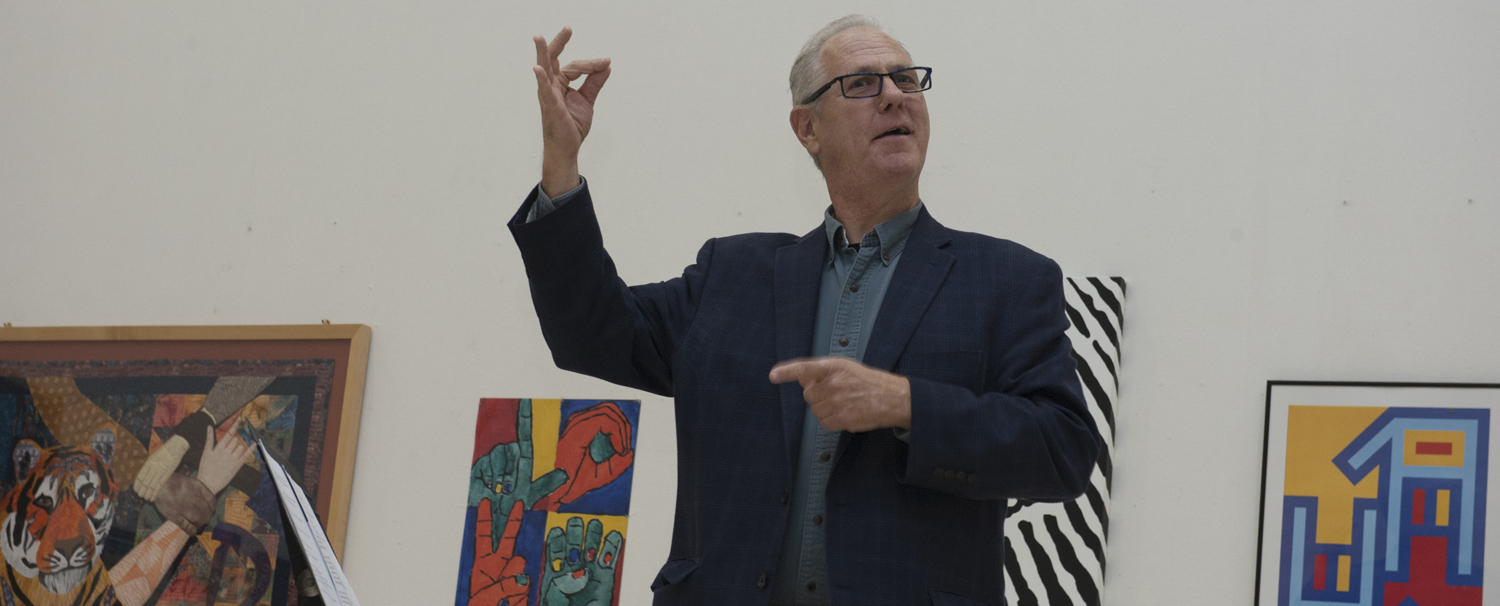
803	127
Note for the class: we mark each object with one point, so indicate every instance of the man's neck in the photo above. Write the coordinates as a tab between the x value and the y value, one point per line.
860	207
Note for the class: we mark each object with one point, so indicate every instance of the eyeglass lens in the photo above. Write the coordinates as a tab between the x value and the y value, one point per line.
908	80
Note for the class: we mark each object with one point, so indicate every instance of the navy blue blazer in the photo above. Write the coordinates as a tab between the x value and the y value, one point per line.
976	323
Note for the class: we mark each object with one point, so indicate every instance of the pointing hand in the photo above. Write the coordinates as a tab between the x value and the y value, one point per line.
849	396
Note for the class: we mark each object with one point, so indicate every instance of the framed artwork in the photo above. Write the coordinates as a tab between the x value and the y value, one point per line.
129	474
1054	552
1376	494
549	496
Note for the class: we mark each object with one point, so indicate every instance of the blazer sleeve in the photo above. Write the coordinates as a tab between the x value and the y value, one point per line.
593	323
1029	434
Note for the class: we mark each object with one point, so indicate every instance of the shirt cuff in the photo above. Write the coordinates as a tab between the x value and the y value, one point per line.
544	204
902	434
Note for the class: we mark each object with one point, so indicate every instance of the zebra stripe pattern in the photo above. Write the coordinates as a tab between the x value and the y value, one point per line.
1054	552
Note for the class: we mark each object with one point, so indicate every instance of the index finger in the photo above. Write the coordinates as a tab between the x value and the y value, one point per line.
523	425
507	546
800	369
579	67
523	439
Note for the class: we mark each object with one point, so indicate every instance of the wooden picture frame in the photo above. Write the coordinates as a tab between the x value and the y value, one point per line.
1376	493
335	355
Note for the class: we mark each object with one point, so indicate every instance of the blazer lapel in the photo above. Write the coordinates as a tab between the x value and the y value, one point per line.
799	270
920	273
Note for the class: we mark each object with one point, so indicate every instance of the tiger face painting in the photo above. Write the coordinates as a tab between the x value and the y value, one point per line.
60	512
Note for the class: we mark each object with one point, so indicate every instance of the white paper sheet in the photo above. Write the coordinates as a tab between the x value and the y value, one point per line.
304	520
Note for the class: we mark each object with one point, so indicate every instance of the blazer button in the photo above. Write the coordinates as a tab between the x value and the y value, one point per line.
937	472
950	474
760	581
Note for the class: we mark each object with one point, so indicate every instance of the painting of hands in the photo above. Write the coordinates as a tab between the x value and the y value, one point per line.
549	495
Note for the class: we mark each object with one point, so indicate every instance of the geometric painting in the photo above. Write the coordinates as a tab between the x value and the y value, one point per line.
1379	494
1054	552
549	495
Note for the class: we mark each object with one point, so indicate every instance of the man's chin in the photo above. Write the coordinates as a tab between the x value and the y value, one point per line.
899	164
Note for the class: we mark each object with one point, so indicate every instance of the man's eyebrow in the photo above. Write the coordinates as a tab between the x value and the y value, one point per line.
870	69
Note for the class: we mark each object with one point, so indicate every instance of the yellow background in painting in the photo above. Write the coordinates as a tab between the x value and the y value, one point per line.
1456	438
546	415
560	520
1314	436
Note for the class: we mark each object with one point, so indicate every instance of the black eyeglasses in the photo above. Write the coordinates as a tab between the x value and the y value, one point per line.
866	84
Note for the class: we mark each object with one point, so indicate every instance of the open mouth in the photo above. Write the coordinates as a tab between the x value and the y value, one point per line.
900	130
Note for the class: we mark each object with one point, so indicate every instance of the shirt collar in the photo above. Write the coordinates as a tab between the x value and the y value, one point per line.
888	234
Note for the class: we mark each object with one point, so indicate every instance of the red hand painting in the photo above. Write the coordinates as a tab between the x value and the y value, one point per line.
499	576
594	450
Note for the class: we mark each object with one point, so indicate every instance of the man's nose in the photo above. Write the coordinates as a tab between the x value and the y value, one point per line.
891	96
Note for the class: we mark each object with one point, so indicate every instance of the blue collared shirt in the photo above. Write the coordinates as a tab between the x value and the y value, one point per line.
853	286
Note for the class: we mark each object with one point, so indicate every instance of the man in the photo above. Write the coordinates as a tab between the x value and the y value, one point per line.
853	406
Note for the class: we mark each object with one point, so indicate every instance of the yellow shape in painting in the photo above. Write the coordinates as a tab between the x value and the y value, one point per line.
546	416
1314	436
1424	447
1442	507
1343	573
560	520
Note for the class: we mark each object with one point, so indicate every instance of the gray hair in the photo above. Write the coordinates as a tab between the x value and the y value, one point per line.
807	70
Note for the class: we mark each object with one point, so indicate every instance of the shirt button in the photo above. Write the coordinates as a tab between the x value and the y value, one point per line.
844	342
760	581
885	257
825	456
817	520
812	586
854	288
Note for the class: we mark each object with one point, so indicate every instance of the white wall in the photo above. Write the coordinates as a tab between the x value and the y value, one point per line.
1294	189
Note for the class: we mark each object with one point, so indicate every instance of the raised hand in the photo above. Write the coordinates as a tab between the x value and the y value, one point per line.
594	450
221	460
580	569
159	466
503	475
849	396
499	575
567	114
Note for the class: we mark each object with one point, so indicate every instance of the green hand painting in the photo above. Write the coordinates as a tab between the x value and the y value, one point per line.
580	568
503	475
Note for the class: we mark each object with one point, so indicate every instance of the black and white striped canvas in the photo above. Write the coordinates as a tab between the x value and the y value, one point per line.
1055	551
